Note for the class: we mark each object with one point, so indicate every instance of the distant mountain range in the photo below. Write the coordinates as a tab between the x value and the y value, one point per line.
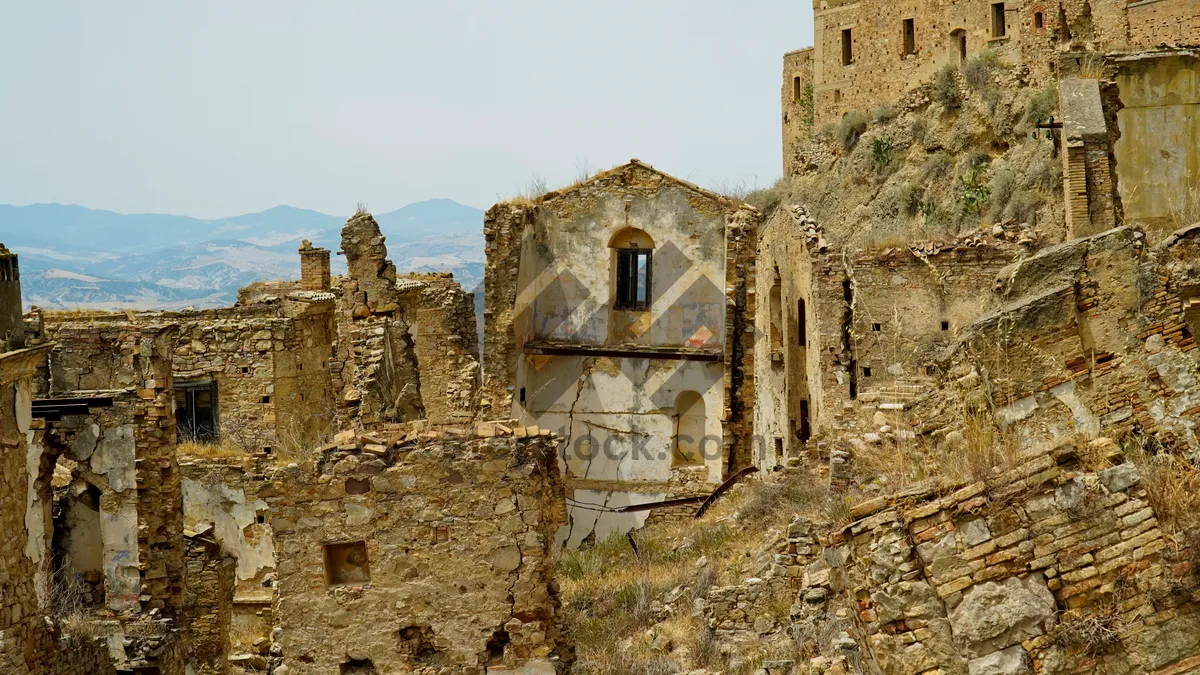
72	256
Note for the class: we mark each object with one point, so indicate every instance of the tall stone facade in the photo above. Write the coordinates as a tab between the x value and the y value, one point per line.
620	312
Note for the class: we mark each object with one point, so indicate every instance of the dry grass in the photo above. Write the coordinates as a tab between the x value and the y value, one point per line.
210	450
611	593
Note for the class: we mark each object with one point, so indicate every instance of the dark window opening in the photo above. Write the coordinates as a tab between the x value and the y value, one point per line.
797	89
346	563
778	449
633	279
876	327
245	370
1039	21
267	450
931	370
837	95
998	19
266	399
910	36
801	323
522	396
805	429
196	411
847	47
261	519
945	325
866	371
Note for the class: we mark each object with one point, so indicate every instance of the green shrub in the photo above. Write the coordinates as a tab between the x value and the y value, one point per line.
851	127
918	128
975	193
1000	187
882	150
1041	106
884	113
977	71
945	88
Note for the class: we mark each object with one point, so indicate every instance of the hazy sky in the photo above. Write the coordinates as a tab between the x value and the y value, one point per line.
217	108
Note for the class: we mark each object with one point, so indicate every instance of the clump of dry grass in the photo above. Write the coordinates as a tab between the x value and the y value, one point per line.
1172	485
1094	634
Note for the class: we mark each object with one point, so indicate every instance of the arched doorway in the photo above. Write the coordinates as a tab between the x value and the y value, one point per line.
958	45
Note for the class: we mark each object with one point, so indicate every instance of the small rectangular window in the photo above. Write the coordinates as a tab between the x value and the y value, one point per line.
998	19
797	89
910	36
633	279
866	371
346	564
1039	21
876	327
847	47
945	325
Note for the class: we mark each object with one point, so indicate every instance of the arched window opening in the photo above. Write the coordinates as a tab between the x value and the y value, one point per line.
689	430
633	251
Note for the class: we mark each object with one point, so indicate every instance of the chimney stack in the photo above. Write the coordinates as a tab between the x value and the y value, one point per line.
314	267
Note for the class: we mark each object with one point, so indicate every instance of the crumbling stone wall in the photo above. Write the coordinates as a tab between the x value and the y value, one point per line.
441	318
431	553
372	289
1054	566
376	367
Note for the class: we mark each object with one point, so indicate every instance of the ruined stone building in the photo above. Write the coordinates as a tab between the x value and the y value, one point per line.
870	52
253	377
620	314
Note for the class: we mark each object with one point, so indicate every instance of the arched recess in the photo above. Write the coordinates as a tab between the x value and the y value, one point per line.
689	429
